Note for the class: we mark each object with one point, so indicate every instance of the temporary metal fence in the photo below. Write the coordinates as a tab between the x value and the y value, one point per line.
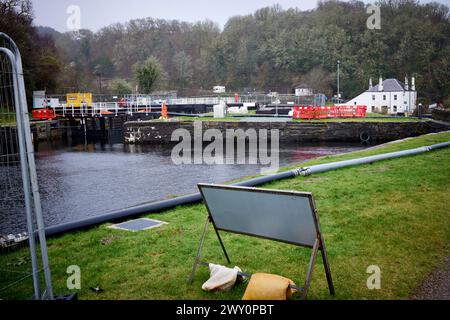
19	191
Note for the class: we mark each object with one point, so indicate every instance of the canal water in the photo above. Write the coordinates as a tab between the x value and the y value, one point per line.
87	179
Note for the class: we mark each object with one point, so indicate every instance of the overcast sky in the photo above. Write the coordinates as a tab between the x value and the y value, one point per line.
96	14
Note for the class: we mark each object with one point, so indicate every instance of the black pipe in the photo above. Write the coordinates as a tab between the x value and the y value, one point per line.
121	214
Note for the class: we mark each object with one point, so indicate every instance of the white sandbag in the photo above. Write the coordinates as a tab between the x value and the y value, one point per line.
233	109
222	278
243	110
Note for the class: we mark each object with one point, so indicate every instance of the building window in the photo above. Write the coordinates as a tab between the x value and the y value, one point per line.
373	97
395	97
384	97
372	108
395	108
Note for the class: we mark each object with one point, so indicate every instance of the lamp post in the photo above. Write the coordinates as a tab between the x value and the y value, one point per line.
338	89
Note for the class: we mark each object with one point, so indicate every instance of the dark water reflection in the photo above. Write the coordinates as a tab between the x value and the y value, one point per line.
84	180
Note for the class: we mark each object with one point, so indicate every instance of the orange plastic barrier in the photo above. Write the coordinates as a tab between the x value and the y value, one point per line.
310	112
164	113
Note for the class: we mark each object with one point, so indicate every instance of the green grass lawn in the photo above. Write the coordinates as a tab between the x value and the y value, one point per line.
182	118
374	114
7	116
394	214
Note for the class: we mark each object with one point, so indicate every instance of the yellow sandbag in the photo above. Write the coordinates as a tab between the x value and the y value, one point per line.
264	286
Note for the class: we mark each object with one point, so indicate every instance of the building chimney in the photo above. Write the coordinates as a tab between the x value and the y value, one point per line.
370	83
413	84
406	84
380	84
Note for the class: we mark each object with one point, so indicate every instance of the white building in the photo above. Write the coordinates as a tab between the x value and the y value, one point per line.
389	96
303	90
219	89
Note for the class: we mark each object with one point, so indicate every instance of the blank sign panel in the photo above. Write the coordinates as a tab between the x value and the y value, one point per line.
277	215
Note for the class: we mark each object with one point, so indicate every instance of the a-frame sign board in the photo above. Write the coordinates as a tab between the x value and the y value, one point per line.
284	216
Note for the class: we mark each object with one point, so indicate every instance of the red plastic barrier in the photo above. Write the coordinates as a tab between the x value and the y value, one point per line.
44	114
296	113
361	111
303	112
310	112
320	113
307	112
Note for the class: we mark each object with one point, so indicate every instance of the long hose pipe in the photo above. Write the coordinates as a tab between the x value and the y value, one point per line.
193	198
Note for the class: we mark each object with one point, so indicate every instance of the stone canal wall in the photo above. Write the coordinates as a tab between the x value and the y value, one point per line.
51	130
102	128
157	132
41	131
48	130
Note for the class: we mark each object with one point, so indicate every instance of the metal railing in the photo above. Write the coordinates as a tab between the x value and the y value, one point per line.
146	104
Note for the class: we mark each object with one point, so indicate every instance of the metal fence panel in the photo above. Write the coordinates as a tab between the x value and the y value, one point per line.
18	178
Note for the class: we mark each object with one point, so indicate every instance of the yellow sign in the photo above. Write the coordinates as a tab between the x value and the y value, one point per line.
79	99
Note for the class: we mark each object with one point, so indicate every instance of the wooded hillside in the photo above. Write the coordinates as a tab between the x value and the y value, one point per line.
272	49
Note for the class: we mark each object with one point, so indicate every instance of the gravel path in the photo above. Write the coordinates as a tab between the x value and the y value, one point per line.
437	285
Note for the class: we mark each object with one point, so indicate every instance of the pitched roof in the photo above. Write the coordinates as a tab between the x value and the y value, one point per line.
389	85
303	86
